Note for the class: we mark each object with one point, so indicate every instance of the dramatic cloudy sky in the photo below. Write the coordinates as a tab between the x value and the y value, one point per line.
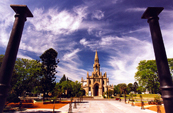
77	28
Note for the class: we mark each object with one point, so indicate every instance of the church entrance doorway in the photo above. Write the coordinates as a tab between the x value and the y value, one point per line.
83	92
96	89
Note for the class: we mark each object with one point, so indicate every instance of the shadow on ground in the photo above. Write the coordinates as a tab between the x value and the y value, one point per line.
40	111
24	105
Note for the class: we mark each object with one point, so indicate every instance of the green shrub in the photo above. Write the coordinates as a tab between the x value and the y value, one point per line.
157	98
104	96
13	98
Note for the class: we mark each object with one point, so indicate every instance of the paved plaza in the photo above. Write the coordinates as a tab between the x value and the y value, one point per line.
100	106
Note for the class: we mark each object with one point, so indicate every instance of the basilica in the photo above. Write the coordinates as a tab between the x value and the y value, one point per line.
96	84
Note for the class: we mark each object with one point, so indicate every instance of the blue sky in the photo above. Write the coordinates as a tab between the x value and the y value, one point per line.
77	28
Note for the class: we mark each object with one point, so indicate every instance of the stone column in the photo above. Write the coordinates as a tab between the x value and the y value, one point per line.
105	84
88	81
87	88
87	91
100	91
92	87
92	91
105	88
7	66
161	59
101	87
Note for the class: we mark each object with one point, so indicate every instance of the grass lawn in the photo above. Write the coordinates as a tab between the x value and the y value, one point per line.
148	95
145	97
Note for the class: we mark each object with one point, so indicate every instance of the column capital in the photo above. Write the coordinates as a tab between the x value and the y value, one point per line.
151	12
22	10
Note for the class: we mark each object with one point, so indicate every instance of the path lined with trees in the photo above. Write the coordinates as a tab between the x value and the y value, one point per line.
38	76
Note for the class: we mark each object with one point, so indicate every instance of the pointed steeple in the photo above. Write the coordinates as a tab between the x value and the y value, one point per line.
96	57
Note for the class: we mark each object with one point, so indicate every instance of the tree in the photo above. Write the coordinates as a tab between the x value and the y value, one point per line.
129	88
25	76
109	93
13	94
58	91
116	89
135	86
49	64
65	87
68	89
1	59
170	63
123	89
63	79
140	89
147	75
76	90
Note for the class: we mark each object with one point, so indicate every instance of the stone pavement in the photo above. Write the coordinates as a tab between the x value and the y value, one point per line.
95	106
92	106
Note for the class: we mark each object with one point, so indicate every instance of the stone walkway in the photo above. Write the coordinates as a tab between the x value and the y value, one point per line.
105	107
95	106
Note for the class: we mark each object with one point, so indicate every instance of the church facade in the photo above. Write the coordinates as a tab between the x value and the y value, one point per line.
96	84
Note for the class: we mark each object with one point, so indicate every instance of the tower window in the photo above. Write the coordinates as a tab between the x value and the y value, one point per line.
103	81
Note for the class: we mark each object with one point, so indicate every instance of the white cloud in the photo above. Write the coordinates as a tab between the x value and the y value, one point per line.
70	66
73	73
167	13
114	1
92	45
47	28
124	55
166	26
168	39
92	25
58	22
36	42
4	37
124	64
90	30
6	21
136	9
98	14
139	30
72	55
81	11
45	31
20	55
97	31
83	42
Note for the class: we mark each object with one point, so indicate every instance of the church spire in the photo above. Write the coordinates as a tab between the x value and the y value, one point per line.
96	57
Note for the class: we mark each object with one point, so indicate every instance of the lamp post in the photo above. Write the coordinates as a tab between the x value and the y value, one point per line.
165	78
7	66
